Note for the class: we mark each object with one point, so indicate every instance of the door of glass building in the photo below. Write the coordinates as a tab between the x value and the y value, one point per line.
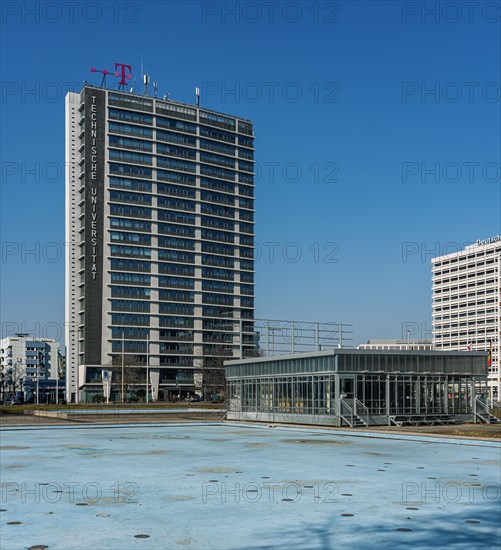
346	386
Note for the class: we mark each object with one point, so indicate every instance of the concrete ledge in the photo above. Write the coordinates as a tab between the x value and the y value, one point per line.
51	414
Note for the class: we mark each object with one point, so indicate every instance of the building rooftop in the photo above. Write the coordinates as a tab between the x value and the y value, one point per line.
164	101
363	360
390	341
346	351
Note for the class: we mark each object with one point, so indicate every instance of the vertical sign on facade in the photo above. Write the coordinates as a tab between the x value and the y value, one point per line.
95	120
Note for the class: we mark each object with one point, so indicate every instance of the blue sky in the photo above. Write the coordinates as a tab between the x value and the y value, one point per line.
377	141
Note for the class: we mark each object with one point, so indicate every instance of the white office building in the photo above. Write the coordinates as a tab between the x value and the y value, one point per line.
467	303
23	360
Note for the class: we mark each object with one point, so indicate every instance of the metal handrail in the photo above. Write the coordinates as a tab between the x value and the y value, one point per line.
343	405
492	406
365	410
483	413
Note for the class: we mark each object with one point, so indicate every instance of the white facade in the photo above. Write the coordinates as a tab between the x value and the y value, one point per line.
23	358
466	303
72	330
393	344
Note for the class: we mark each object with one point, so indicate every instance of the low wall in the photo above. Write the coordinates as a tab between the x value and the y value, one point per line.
284	418
49	414
312	419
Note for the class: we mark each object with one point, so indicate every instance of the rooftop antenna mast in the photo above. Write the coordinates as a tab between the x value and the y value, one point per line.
155	88
146	82
197	92
105	73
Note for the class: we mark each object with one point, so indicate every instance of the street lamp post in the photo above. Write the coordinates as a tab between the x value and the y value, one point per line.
37	374
123	366
240	327
203	379
39	366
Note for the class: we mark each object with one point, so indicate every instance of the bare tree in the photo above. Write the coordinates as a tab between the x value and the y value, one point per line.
12	378
134	375
213	371
221	350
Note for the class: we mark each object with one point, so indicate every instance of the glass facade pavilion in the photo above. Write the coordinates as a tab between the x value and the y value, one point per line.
358	387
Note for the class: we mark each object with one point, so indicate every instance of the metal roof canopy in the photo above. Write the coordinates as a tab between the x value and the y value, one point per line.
472	363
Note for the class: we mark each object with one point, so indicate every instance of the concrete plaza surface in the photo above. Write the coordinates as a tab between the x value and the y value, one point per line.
234	486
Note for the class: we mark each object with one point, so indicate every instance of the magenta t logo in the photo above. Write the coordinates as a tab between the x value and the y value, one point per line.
123	74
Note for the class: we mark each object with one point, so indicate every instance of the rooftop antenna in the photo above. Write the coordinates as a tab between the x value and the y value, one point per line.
146	82
155	88
142	72
197	92
133	87
105	73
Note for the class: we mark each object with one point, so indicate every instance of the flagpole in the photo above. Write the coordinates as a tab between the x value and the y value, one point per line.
147	366
39	363
123	365
38	376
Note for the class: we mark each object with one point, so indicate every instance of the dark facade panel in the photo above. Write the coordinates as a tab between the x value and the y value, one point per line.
95	131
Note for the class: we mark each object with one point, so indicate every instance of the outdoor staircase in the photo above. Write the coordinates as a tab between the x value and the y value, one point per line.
422	420
483	411
354	413
488	418
358	421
